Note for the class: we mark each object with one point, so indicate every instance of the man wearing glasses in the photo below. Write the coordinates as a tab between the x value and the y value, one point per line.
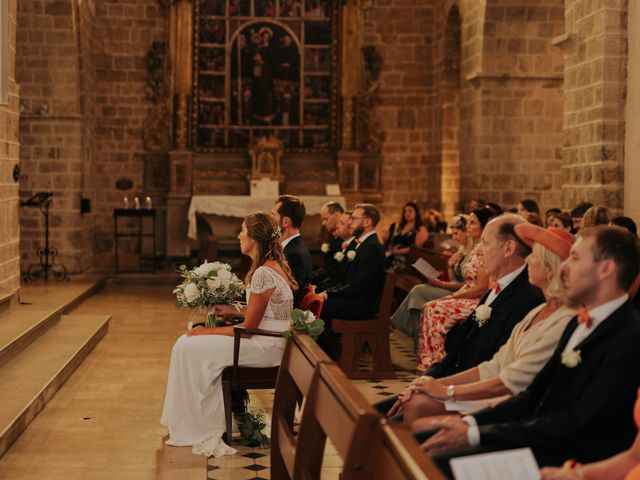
356	297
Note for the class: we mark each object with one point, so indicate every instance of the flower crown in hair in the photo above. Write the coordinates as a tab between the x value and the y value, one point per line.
276	233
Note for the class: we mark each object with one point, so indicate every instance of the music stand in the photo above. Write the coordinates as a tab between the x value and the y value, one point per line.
42	200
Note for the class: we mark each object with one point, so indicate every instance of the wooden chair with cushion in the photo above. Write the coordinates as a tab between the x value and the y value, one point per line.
301	356
374	332
312	301
397	455
237	377
336	410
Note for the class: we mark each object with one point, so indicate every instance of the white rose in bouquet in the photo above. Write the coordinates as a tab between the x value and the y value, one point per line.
214	283
204	269
191	292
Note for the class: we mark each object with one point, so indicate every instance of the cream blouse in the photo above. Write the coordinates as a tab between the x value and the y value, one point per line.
528	349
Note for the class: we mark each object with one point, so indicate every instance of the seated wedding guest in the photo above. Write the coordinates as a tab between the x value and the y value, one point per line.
193	407
357	295
624	465
327	277
330	214
550	215
496	208
400	237
578	405
596	215
438	316
290	212
577	213
468	344
562	221
528	349
407	317
526	207
627	223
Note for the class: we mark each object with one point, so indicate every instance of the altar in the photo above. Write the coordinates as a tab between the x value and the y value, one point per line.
238	206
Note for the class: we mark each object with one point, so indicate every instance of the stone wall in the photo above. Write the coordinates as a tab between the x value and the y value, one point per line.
54	70
9	156
125	30
594	102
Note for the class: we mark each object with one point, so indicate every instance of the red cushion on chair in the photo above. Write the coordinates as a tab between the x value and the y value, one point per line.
312	301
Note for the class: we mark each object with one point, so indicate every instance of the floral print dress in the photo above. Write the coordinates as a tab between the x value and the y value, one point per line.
438	316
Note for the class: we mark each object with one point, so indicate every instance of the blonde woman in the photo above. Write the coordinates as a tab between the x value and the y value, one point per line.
528	349
193	407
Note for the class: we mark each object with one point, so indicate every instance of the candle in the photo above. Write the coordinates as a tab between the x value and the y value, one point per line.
125	200
136	203
147	203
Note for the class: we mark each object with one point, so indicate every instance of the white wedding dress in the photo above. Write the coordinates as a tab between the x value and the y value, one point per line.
193	407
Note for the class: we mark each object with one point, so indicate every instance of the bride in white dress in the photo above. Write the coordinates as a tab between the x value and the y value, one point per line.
193	407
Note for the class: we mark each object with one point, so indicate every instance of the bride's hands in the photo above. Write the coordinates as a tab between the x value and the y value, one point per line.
200	330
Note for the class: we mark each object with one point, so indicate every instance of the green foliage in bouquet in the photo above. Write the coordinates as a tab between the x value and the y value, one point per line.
305	321
251	425
207	285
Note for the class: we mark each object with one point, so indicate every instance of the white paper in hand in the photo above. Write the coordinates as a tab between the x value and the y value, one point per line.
507	465
426	269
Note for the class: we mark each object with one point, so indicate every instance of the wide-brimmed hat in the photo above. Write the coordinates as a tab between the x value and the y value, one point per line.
556	240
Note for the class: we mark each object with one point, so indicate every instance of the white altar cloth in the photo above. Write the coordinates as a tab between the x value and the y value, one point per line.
242	205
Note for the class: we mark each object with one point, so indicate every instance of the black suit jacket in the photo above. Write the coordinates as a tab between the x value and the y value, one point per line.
335	245
299	261
328	277
585	412
468	345
358	292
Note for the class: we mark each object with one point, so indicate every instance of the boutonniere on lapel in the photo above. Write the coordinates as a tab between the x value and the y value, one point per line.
351	254
339	256
571	358
325	248
481	314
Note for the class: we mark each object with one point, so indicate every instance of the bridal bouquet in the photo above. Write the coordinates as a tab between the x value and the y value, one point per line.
305	321
208	285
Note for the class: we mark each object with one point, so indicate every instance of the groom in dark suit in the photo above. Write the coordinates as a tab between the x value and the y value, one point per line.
580	404
468	344
290	212
356	295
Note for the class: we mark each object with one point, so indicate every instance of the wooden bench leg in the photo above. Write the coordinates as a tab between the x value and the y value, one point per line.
349	354
228	410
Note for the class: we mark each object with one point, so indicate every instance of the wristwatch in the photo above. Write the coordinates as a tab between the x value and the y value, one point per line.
451	392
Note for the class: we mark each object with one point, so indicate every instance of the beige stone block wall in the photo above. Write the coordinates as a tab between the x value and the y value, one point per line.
9	157
54	69
594	102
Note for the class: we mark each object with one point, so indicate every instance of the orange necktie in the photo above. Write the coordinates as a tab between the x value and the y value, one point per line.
583	316
495	286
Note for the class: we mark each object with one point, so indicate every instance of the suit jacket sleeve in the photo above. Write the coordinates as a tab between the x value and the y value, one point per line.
367	274
609	380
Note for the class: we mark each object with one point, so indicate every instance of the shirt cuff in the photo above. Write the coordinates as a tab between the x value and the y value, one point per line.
473	433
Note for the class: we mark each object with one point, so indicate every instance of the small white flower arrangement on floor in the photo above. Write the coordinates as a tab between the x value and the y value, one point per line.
571	358
481	314
208	285
306	321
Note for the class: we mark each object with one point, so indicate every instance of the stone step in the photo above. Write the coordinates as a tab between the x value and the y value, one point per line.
41	306
31	377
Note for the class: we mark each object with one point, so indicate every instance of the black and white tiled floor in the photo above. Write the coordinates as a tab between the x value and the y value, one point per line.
253	463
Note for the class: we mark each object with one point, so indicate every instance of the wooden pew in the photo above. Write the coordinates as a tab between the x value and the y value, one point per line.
334	409
397	455
299	361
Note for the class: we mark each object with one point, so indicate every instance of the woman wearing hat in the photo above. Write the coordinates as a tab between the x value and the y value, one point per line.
527	350
407	316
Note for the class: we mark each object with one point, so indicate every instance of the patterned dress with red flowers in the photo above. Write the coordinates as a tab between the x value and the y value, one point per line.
438	316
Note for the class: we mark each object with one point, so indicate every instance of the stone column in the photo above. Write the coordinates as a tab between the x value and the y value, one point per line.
632	144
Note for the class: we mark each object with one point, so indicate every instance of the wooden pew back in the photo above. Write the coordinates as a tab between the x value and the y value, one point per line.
299	361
